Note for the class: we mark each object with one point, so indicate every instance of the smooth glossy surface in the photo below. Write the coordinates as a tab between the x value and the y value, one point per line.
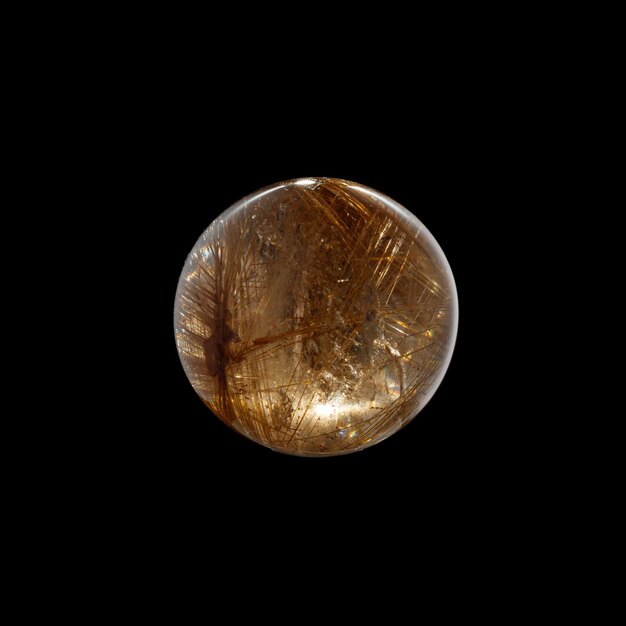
316	316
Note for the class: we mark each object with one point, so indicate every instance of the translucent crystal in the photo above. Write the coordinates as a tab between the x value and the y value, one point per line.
316	316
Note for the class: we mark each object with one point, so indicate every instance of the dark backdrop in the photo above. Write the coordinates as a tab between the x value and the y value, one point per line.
170	144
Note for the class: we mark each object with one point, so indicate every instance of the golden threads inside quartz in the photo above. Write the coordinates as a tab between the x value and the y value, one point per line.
316	317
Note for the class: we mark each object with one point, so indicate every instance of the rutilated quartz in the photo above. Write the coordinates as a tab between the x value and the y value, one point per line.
316	317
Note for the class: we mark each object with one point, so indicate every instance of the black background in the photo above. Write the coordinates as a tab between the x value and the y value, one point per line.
168	136
172	481
184	151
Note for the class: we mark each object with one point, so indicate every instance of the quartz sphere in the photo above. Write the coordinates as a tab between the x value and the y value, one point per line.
316	316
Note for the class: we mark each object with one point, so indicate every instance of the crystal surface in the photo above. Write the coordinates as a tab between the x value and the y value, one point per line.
316	316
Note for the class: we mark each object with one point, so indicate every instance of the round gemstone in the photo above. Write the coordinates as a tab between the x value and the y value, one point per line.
316	316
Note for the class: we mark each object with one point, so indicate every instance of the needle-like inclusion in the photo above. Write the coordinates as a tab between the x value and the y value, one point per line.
316	316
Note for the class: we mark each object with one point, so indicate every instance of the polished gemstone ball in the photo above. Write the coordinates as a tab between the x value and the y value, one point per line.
316	316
